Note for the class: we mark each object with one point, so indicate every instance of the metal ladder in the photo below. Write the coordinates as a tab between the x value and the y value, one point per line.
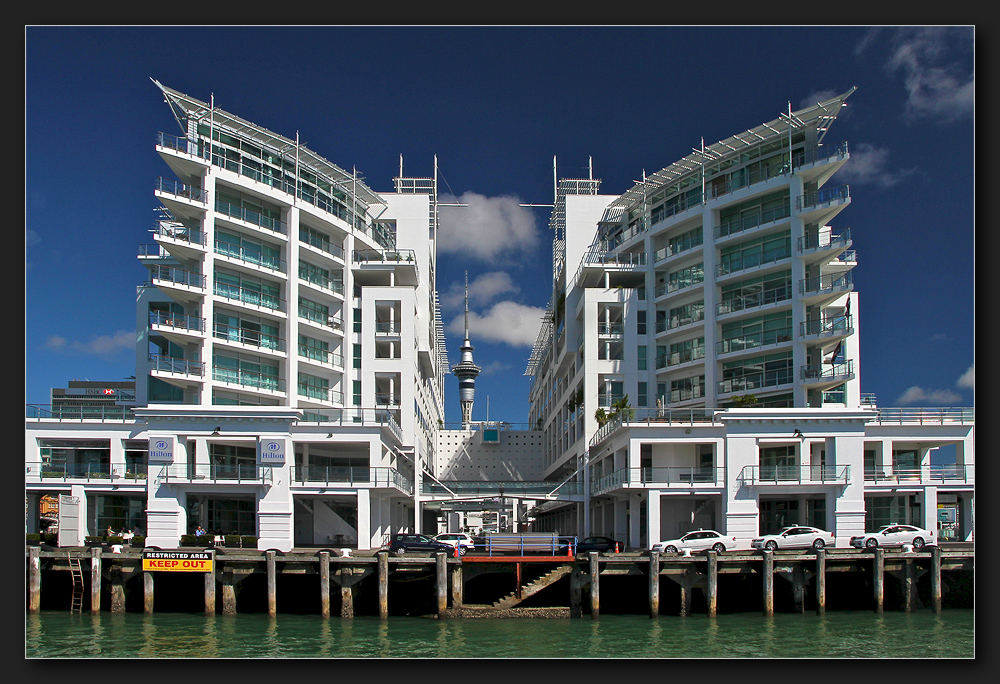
76	571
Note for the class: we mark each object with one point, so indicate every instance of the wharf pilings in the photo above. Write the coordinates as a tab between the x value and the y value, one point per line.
324	583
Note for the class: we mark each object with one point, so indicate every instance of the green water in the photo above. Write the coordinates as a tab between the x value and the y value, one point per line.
919	635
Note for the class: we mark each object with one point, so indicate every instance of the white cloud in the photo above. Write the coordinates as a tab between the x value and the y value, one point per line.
918	395
490	228
870	165
939	79
968	379
483	289
103	345
507	322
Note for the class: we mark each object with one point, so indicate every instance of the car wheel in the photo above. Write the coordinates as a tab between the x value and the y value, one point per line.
719	548
671	549
400	551
871	543
918	542
819	544
771	545
462	551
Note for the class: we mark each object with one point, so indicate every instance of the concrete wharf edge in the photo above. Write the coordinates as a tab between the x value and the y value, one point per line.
585	570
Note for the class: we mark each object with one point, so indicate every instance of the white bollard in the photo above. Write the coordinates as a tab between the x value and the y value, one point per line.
907	548
345	553
686	553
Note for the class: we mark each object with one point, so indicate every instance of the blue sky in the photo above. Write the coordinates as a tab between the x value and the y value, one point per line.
496	105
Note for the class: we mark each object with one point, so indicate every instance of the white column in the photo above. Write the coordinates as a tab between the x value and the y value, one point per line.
849	502
652	516
274	503
929	511
365	521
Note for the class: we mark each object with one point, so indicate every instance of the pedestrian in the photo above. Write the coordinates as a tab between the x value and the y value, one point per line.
198	532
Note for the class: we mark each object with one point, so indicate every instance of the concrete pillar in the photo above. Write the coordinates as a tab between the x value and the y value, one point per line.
654	584
228	593
383	584
147	593
95	580
936	578
821	581
324	583
768	583
878	579
576	581
713	582
272	602
441	566
595	588
364	520
929	510
346	591
34	580
210	593
457	585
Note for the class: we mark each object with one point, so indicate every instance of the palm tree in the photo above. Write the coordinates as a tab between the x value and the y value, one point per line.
623	408
744	400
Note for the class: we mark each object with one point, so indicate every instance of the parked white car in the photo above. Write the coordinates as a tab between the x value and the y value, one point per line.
795	537
697	541
894	535
461	538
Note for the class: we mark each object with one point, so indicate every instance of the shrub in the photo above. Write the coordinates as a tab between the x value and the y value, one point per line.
93	541
138	541
232	540
189	540
248	542
32	538
115	539
204	540
50	537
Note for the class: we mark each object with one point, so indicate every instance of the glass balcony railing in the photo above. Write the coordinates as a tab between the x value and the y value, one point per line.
177	321
72	471
950	473
251	216
679	357
826	283
736	303
180	233
825	240
324	394
171	275
248	255
828	371
253	338
247	378
248	296
178	189
823	196
753	221
169	364
321	243
77	412
753	341
230	473
794	474
835	325
754	381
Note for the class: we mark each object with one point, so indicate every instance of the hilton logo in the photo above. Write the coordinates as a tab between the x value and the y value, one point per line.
161	450
272	452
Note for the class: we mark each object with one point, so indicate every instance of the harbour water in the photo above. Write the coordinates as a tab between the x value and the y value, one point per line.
848	634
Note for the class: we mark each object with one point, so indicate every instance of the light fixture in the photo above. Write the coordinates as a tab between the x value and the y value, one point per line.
216	430
797	433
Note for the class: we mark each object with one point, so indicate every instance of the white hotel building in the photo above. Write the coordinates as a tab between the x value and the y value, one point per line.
290	360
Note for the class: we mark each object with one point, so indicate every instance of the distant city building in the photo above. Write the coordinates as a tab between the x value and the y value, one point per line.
698	364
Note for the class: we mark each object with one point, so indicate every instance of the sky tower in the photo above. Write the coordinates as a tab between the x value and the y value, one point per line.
466	370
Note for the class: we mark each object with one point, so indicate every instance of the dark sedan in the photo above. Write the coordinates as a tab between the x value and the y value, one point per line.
601	544
408	543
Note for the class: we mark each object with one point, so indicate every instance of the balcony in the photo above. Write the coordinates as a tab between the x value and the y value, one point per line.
659	477
756	475
819	289
752	300
169	365
177	190
350	477
403	262
320	394
680	357
78	413
823	243
179	240
755	381
215	473
253	298
747	223
250	217
827	373
925	416
832	327
939	474
753	341
247	379
821	205
254	258
387	399
178	281
180	328
254	339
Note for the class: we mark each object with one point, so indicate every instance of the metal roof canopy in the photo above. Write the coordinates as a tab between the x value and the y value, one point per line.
185	106
821	114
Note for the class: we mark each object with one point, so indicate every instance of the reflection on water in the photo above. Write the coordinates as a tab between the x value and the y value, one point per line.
173	635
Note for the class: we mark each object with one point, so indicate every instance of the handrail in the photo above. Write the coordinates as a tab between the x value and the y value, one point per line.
822	474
